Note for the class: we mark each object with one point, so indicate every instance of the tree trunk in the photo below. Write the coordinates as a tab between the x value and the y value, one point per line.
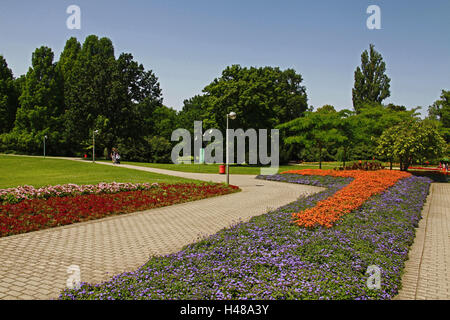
390	164
320	158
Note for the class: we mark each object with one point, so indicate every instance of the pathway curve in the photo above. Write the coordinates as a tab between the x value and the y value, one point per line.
427	272
34	265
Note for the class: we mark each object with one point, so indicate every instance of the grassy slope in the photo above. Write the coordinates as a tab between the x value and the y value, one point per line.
17	170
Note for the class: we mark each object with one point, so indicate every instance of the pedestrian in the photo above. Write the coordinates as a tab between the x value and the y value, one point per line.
117	157
113	155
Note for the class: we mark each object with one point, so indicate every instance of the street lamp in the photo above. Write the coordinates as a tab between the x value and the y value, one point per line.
93	145
232	116
45	138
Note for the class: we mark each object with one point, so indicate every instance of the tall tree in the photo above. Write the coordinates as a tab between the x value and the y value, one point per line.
8	97
440	111
87	92
41	102
371	83
194	109
261	97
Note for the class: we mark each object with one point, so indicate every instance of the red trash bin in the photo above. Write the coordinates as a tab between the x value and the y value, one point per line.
222	169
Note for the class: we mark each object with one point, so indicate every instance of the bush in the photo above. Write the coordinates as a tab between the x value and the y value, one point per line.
366	165
159	150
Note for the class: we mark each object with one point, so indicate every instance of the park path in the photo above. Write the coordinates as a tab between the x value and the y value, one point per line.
427	272
34	265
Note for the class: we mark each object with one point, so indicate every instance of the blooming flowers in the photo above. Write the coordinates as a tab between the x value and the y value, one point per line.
14	195
364	185
269	258
101	200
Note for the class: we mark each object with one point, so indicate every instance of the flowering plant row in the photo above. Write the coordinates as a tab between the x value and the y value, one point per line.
15	195
269	258
35	214
364	185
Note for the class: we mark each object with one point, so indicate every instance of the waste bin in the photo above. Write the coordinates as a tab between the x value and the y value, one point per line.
222	169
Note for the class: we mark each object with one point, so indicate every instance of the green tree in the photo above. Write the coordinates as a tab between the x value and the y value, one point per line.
87	91
261	97
440	111
371	83
386	142
411	141
9	95
41	103
194	109
316	130
368	125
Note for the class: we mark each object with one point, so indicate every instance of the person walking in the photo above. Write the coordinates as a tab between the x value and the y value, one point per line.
117	157
113	155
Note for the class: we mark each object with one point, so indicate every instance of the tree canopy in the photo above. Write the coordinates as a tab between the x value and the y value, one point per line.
320	130
371	83
261	97
409	141
440	111
9	94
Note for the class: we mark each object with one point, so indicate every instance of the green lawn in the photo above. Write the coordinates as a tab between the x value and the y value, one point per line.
234	169
18	170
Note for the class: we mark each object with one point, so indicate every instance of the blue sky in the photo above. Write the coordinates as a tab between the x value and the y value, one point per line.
188	43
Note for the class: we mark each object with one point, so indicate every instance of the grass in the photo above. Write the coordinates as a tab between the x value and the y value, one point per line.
234	169
37	171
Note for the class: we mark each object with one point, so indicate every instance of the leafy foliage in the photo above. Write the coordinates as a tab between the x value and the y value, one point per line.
371	82
9	94
440	111
411	140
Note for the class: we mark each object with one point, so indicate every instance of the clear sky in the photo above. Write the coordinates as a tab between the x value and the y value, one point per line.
188	43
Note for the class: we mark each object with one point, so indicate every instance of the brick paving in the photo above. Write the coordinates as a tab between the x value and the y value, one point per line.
34	265
427	272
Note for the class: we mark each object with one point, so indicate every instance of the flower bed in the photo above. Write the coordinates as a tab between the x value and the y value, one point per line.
15	195
364	185
271	258
40	213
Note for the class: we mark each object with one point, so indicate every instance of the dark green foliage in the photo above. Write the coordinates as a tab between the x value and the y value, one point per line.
261	97
87	89
159	149
371	82
9	94
440	111
41	105
316	131
366	166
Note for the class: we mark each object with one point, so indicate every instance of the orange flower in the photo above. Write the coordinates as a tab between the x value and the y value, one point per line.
351	197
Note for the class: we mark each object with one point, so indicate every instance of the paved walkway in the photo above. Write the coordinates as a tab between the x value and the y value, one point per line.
427	272
34	265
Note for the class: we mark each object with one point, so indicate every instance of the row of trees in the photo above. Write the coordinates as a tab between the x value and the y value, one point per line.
89	89
388	132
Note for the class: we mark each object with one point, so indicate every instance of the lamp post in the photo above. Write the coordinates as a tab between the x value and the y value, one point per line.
93	145
45	138
232	116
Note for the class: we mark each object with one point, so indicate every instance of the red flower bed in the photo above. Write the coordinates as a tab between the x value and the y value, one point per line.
349	198
37	214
